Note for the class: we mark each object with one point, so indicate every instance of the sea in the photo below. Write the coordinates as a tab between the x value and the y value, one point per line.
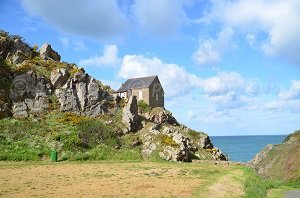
244	148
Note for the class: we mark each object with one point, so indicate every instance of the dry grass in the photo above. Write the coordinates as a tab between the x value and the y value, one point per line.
119	179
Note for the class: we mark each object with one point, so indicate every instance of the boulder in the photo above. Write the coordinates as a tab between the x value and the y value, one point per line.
159	115
218	155
59	77
130	115
205	142
178	153
175	154
47	53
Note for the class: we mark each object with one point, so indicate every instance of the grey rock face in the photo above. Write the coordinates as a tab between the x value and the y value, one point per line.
46	53
205	142
23	48
14	49
261	155
81	94
130	115
218	155
29	94
182	152
175	154
159	116
59	77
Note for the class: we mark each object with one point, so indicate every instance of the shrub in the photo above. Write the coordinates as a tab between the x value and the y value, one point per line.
143	106
93	132
168	141
71	117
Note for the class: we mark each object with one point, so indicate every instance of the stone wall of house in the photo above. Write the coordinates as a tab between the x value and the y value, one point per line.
145	94
156	89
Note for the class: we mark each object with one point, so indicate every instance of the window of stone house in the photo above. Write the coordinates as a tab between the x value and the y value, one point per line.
156	96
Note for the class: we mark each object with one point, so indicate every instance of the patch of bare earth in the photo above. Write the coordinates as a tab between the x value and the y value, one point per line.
227	186
97	180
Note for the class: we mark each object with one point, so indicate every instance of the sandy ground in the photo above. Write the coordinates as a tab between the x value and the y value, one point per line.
117	179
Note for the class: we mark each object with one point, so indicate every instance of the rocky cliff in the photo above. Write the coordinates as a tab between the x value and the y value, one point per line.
280	161
35	85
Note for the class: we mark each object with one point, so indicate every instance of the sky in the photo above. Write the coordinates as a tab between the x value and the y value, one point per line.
228	67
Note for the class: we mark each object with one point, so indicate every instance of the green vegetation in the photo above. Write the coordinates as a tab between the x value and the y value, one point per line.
39	66
93	132
5	81
194	135
143	106
74	137
256	186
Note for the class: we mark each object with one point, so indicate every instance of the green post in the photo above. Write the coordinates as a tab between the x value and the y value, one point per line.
53	156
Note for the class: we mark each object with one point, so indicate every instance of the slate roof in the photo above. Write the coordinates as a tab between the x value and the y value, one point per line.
137	83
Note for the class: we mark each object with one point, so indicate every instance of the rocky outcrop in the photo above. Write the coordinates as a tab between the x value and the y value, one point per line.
13	49
59	77
80	94
29	94
47	53
159	115
218	155
171	143
179	149
130	116
262	154
34	89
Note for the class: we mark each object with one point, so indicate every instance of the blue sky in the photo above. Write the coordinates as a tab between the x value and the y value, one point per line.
228	67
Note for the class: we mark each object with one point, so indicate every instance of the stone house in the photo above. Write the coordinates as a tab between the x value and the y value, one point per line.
147	88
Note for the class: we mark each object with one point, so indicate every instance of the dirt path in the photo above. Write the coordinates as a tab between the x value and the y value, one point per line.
142	179
228	186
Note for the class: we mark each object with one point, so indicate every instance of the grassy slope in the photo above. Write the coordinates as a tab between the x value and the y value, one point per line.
74	137
283	162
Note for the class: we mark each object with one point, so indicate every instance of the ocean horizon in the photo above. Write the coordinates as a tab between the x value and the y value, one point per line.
243	148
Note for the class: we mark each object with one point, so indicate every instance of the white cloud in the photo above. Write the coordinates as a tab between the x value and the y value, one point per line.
277	19
287	99
174	78
223	83
99	19
109	57
160	17
229	90
292	93
210	51
283	105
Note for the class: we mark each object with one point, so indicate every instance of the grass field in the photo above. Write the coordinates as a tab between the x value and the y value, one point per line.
129	179
132	179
